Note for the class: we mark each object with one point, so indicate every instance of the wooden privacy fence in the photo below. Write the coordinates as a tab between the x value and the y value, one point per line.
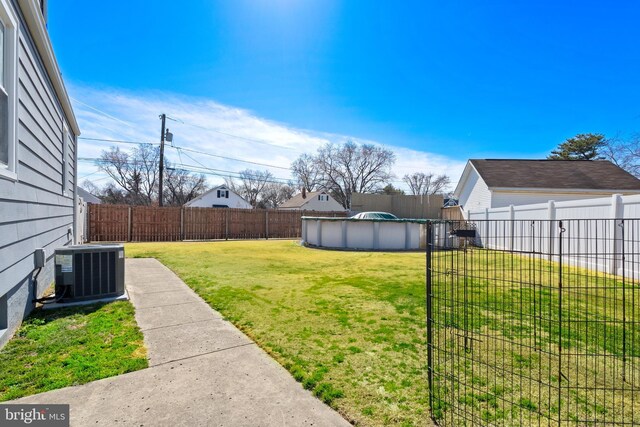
122	223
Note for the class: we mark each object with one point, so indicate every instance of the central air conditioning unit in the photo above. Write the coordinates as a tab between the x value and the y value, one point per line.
89	272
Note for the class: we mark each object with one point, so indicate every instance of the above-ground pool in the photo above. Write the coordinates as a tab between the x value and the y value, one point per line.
349	233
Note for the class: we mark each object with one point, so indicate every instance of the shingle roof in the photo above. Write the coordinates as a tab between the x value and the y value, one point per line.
297	201
560	174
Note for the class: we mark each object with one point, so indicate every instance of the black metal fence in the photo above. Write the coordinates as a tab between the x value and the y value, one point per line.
534	322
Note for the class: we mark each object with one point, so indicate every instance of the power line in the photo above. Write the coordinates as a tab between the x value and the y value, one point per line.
229	158
258	141
188	149
120	141
241	174
192	168
102	112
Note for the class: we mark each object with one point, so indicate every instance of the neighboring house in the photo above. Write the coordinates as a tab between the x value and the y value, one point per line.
38	133
498	183
88	197
219	197
320	201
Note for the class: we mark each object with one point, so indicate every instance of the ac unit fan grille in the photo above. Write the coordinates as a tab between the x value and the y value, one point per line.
94	274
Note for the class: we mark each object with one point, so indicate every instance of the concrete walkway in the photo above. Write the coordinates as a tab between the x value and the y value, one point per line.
203	371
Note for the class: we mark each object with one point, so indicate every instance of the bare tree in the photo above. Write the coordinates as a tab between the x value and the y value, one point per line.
624	152
306	172
275	194
136	173
113	195
421	184
90	187
135	178
182	186
349	168
251	185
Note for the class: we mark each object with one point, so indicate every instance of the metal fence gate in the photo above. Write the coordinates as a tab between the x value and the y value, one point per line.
534	322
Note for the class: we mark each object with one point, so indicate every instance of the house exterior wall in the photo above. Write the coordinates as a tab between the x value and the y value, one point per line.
315	204
209	199
37	207
474	194
501	199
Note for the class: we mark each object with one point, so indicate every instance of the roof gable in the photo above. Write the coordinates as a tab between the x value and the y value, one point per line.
554	174
219	187
298	201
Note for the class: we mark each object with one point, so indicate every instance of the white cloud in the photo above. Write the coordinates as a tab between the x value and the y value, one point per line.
207	126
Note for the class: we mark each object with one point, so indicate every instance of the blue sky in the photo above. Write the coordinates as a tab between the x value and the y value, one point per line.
446	80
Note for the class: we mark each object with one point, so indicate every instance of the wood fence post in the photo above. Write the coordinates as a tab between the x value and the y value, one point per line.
88	227
266	224
181	222
129	226
226	224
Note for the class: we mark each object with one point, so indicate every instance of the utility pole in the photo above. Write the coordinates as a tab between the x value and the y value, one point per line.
163	117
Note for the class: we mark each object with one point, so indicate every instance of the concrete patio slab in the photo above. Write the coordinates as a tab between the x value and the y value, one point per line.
204	371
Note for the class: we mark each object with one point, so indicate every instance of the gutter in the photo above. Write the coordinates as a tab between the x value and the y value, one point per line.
38	30
564	190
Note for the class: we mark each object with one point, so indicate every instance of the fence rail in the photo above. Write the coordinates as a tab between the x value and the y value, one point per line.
122	223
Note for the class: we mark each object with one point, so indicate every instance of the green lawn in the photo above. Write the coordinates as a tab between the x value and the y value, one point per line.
350	326
64	347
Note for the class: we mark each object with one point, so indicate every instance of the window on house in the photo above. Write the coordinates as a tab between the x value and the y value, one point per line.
7	92
223	194
323	197
4	103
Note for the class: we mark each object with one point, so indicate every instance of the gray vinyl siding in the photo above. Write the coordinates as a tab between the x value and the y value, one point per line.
35	212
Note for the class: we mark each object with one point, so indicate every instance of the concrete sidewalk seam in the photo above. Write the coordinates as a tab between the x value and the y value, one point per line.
181	324
203	354
167	305
160	292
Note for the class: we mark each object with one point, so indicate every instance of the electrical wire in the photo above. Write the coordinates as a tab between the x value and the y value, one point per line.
120	141
192	168
235	159
197	151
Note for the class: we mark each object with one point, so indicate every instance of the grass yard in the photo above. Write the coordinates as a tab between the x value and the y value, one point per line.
350	326
71	346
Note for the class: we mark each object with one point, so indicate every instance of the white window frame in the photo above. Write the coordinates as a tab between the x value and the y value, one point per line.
10	22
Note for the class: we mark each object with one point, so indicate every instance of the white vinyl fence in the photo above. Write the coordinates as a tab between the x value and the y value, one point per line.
604	231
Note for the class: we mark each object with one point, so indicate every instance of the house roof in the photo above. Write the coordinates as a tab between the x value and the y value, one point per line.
555	174
223	186
298	201
87	197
